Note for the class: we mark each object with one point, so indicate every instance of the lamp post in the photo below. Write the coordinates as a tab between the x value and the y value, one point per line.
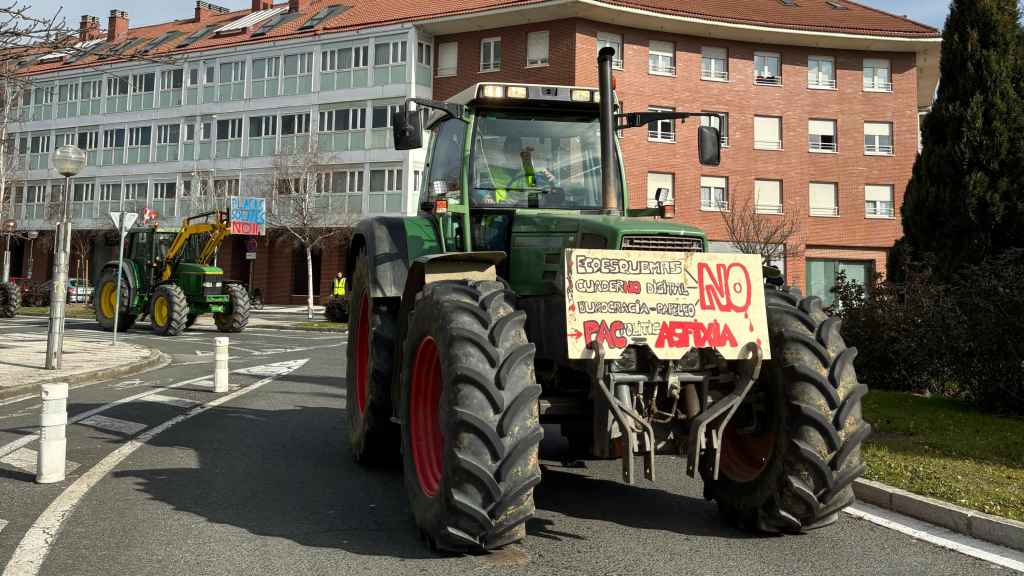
69	161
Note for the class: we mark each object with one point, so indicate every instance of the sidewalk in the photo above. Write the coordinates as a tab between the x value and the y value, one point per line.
85	361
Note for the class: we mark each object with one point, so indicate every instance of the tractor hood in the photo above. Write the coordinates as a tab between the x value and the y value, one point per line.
539	240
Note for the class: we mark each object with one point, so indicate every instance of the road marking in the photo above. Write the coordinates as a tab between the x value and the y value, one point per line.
126	427
28	439
1005	557
3	524
172	400
26	459
28	557
275	369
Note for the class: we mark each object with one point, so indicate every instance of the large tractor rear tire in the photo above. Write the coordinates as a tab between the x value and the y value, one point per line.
236	319
10	299
169	310
470	420
106	302
371	361
790	466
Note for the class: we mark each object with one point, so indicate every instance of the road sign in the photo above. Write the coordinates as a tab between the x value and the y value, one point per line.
124	221
250	255
248	216
10	225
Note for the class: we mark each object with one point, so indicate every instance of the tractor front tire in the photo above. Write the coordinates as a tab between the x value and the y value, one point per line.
106	302
237	318
169	310
470	416
371	360
10	299
793	469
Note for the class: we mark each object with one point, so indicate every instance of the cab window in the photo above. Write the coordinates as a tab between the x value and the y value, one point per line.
445	170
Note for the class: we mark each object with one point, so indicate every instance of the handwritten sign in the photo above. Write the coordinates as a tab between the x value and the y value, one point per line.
670	301
248	216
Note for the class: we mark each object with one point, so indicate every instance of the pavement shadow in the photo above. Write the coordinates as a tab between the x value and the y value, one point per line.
285	473
573	493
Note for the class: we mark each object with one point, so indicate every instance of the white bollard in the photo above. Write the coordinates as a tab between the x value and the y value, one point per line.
220	364
53	443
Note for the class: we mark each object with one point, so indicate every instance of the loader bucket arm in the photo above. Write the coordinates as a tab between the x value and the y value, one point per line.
217	230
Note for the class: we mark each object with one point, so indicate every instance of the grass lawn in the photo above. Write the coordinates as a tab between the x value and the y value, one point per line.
326	326
70	311
944	449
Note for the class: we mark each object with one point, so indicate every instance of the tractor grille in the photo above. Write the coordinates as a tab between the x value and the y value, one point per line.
212	286
663	243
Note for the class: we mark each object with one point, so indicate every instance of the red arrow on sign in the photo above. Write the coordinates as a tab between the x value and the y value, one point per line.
577	334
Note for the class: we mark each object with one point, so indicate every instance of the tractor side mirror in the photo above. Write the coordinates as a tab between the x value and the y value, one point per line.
709	146
408	129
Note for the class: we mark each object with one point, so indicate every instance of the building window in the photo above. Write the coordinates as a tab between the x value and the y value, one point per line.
821	135
714	64
877	75
262	135
230	129
232	81
167	137
767	68
661	58
265	72
448	59
345	58
821	72
878	201
537	46
823	274
490	54
662	181
824	199
661	130
385	191
878	138
424	54
224	187
298	74
714	193
295	124
382	115
767	133
388	53
609	40
343	119
720	120
768	196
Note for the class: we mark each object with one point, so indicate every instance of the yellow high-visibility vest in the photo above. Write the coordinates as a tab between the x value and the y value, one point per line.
339	286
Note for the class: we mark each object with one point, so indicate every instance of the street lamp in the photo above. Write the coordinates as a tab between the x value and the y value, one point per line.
69	161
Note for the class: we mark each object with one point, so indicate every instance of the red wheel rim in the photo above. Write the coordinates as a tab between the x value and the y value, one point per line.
424	422
363	354
745	456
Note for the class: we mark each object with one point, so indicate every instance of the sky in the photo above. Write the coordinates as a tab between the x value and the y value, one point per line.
930	12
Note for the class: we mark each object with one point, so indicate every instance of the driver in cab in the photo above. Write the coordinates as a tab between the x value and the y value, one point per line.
514	177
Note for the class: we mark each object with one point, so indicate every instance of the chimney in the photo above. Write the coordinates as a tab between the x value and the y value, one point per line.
298	5
205	10
117	29
89	28
258	5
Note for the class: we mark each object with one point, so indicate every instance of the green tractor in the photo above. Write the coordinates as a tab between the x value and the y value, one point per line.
166	274
527	292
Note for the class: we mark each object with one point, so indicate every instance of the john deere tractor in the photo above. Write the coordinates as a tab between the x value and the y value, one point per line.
166	274
527	291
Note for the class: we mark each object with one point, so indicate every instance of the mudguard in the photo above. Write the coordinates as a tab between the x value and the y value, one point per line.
131	272
392	243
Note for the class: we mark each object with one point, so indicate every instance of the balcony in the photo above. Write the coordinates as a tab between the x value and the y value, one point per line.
661	136
768	144
762	208
714	206
878	150
877	86
822	84
828	211
661	69
823	147
879	210
714	75
767	80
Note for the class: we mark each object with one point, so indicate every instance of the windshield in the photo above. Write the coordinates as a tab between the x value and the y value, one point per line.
537	160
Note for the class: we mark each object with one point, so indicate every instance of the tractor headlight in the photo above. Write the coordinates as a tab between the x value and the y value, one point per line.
580	95
212	284
492	91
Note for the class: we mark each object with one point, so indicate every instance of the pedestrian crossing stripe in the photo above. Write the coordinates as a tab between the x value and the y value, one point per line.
172	400
27	459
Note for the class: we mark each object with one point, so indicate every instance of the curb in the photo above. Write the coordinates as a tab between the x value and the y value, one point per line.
156	359
986	527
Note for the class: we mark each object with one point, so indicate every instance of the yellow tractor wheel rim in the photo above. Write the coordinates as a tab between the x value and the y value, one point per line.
108	299
160	311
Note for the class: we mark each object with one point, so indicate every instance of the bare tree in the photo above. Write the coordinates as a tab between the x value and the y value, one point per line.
299	205
770	233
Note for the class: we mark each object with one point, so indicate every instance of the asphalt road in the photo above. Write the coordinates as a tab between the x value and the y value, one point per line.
263	483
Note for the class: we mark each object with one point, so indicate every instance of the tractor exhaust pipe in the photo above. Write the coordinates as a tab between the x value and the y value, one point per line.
610	201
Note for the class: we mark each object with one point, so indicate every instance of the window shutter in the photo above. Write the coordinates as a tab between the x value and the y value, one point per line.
876	63
448	59
766	129
822	127
718	53
823	195
767	193
877	128
537	48
878	193
662	47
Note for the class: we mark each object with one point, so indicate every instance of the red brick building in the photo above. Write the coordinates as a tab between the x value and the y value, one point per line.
836	91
